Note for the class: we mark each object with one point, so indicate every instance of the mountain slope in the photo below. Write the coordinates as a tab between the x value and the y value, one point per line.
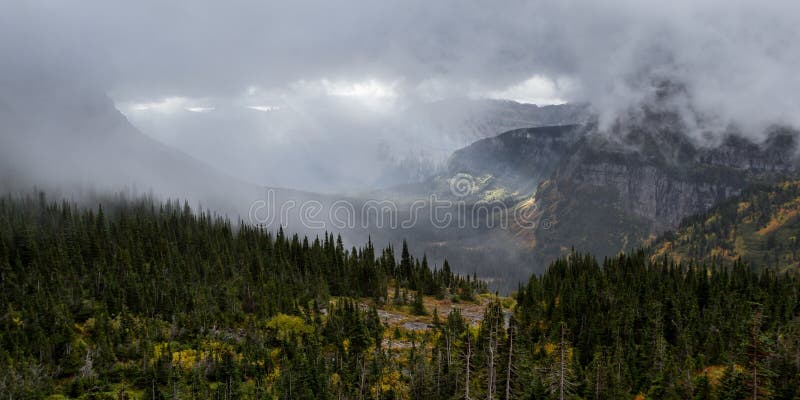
436	129
70	138
516	161
606	191
761	226
609	197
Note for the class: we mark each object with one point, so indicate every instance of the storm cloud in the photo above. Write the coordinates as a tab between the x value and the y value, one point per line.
251	86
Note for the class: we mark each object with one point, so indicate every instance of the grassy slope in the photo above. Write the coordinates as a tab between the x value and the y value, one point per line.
761	226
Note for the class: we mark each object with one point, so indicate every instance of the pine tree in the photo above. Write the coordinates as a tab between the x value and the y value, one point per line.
419	305
732	386
560	378
702	390
757	351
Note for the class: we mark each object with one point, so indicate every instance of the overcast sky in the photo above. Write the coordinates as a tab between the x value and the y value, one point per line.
202	74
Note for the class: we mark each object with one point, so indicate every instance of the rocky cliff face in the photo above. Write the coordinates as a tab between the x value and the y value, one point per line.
665	191
612	192
600	190
776	155
515	161
608	191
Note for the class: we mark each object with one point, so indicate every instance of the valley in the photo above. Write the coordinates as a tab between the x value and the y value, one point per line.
360	200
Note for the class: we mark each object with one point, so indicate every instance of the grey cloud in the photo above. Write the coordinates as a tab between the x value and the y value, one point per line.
202	48
199	47
737	60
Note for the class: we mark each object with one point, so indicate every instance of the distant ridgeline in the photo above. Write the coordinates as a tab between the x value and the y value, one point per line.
140	300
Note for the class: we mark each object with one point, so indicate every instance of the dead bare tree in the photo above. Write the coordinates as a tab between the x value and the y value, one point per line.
490	373
560	376
466	369
509	365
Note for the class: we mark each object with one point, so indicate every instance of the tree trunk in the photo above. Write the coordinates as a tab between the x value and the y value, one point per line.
508	366
490	369
597	381
561	366
469	354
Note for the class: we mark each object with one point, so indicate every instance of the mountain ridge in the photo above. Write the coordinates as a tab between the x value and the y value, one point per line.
607	192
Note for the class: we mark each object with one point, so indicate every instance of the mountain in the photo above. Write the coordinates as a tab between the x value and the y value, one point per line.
500	167
69	138
438	128
609	196
526	196
604	190
760	226
344	147
464	121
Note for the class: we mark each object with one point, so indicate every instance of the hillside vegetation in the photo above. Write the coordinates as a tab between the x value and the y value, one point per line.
761	226
141	300
140	296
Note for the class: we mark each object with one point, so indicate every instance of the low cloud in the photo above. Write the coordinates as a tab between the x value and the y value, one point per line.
252	86
535	90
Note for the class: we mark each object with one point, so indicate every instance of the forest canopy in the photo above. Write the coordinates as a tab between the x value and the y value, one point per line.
135	299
